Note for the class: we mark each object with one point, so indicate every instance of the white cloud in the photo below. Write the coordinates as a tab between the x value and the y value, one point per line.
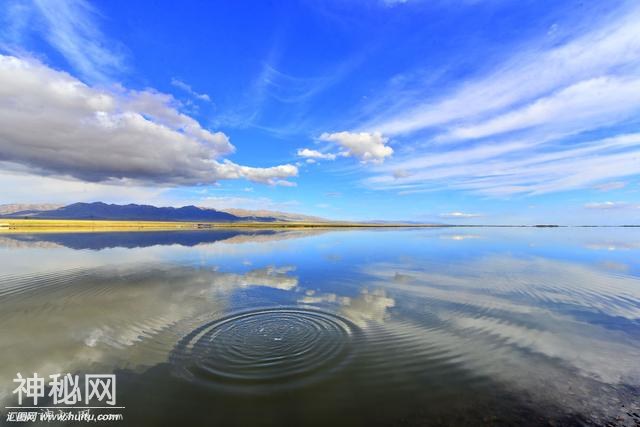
248	203
459	215
53	124
512	168
585	105
609	186
188	89
20	187
71	27
230	170
533	72
393	2
314	154
283	183
609	205
519	127
368	147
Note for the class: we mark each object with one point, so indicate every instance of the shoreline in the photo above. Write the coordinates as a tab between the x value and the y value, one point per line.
63	225
9	225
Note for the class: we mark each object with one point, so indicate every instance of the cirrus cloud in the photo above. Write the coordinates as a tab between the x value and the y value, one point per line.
188	89
610	205
546	118
609	186
53	124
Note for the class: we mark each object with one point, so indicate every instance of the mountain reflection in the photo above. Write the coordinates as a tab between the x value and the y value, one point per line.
141	239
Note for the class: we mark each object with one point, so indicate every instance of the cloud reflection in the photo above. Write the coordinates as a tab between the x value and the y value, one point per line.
535	323
106	318
368	306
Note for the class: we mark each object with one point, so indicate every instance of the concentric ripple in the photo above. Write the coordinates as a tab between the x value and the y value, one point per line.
268	346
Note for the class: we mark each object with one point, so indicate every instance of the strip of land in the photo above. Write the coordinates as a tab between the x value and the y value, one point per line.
68	225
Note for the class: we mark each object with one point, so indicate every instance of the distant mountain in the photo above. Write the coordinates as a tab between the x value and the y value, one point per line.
277	215
135	212
132	212
25	209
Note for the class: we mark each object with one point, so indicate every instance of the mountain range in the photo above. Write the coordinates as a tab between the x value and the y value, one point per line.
135	212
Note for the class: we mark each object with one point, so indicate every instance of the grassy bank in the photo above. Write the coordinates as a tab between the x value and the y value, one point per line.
89	225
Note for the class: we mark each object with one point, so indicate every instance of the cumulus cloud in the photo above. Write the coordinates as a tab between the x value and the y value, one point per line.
314	154
366	146
53	124
459	215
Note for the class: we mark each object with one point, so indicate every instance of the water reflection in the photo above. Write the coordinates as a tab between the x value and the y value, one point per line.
613	245
104	240
130	316
265	350
369	306
564	332
353	327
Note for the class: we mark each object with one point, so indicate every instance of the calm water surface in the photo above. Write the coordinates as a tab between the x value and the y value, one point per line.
348	327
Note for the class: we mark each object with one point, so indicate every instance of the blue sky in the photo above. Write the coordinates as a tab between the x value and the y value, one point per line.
476	111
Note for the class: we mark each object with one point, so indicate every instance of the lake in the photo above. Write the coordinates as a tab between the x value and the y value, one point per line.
437	326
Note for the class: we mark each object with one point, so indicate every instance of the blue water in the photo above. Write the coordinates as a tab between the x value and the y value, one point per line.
444	326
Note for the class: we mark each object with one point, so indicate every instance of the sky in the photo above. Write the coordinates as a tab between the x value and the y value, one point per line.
448	111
